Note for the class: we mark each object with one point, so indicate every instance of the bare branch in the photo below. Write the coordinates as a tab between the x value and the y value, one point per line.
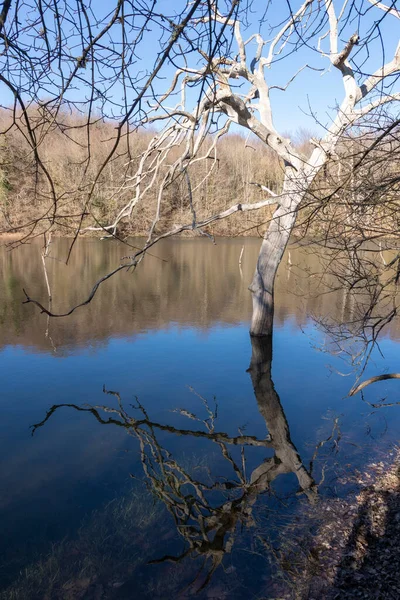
362	112
284	88
388	9
264	188
367	382
341	57
84	303
295	17
151	242
4	13
386	70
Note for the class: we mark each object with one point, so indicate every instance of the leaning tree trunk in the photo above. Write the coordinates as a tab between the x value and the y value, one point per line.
271	252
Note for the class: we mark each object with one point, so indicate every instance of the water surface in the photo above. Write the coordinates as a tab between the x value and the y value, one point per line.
110	495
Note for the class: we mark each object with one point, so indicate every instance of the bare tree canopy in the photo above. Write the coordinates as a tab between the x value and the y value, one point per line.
187	77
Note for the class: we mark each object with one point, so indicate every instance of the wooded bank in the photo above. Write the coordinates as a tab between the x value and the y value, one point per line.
25	197
26	202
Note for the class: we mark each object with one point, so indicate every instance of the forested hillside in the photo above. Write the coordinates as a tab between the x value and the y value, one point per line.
26	197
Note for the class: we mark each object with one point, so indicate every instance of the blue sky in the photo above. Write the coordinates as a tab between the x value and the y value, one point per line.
316	92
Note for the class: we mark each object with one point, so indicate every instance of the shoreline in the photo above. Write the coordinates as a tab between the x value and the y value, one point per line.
355	551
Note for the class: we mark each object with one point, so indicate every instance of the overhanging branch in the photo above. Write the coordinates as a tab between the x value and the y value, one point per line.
139	255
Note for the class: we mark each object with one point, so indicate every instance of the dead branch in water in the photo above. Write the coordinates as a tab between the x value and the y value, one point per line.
367	382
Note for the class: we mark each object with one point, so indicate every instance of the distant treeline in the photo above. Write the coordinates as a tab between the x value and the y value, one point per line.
48	183
73	155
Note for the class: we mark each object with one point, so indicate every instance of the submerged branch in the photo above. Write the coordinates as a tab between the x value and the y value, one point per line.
367	382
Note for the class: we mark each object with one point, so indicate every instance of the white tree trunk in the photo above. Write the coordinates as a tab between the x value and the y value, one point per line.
271	252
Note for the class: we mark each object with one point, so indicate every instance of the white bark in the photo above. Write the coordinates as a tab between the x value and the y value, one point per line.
187	129
272	249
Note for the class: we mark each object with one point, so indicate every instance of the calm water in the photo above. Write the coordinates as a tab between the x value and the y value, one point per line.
170	487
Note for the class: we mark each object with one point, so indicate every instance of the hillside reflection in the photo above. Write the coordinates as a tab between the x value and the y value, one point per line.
184	283
208	510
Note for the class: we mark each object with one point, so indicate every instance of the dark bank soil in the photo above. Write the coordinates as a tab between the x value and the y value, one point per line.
356	550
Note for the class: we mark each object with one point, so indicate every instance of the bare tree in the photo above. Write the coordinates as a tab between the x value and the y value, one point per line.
219	81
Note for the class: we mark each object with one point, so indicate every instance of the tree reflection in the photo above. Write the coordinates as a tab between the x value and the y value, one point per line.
286	458
208	510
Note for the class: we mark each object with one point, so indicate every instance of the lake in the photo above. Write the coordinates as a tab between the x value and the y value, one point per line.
181	452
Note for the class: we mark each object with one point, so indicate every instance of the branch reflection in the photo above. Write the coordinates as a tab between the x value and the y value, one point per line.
208	510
